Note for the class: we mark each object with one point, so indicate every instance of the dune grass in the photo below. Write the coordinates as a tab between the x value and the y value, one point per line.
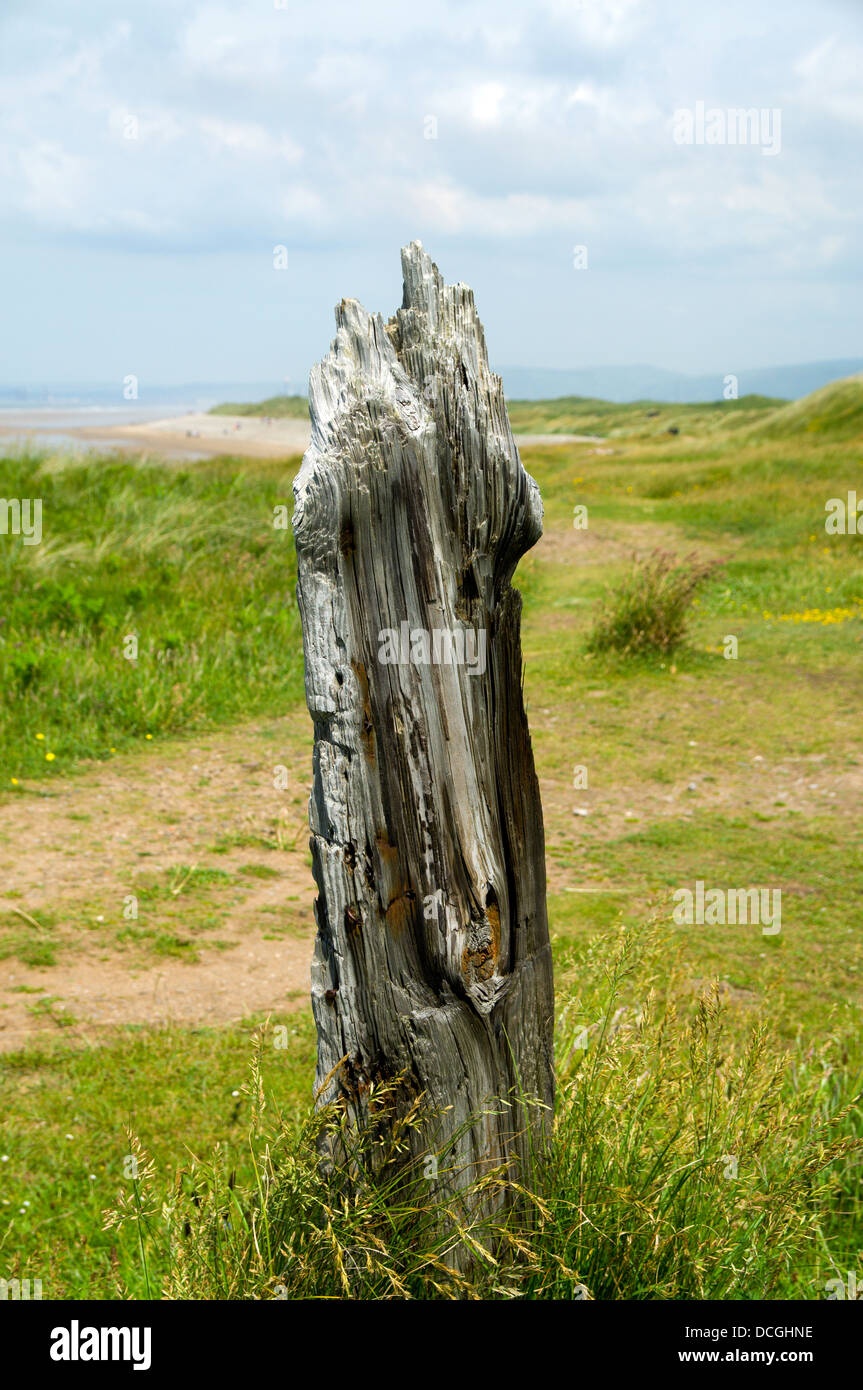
185	561
834	412
638	419
692	1157
688	1160
573	414
738	771
276	407
649	611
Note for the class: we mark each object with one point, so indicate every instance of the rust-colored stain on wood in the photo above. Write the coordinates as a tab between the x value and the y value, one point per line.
492	912
367	728
398	914
481	962
387	853
478	964
353	921
346	539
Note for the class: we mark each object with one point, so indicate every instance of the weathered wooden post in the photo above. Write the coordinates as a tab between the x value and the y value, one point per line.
432	961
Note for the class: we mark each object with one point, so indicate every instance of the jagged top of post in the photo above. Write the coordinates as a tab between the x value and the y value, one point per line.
436	324
422	280
423	373
448	312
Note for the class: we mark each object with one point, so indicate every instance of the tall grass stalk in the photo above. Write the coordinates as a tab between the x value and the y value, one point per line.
689	1160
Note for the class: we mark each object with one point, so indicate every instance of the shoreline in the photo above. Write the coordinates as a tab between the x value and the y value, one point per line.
201	436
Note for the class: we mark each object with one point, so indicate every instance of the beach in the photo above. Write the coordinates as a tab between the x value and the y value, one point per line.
197	435
200	435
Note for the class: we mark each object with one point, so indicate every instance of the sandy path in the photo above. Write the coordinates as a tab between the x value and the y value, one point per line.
71	851
257	976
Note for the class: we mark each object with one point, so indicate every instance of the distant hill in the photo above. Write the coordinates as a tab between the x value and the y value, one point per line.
620	385
577	414
616	419
276	407
836	412
835	408
642	383
573	414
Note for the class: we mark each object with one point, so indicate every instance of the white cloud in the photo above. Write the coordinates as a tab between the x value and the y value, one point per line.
52	182
442	207
485	102
248	138
302	204
830	75
256	124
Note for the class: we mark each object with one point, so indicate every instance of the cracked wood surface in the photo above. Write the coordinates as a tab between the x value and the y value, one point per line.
412	508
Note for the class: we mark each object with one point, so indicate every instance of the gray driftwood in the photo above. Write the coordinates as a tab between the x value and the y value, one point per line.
432	960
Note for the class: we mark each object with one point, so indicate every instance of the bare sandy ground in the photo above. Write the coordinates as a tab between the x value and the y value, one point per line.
213	434
71	851
146	818
253	436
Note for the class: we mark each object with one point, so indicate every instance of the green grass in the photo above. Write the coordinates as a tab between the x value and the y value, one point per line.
31	940
572	414
737	771
640	419
834	412
277	407
65	1113
814	865
648	613
691	1158
186	561
178	910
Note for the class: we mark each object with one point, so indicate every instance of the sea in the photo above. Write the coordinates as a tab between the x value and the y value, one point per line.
46	412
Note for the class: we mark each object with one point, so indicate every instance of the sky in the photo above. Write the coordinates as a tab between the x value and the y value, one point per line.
187	189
